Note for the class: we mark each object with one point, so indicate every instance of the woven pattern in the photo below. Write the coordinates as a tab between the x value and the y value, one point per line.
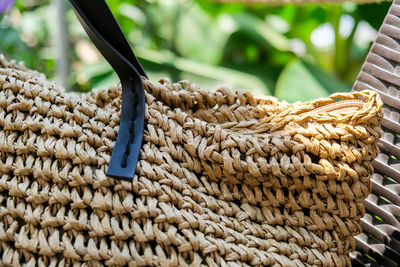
222	178
380	239
296	2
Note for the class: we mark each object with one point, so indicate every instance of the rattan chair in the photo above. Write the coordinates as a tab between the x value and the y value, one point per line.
379	244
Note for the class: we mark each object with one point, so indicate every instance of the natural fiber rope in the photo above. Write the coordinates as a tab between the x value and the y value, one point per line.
296	2
222	178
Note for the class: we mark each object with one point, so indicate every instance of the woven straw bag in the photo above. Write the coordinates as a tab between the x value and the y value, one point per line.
220	179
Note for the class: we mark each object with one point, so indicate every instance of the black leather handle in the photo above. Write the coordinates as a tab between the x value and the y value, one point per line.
104	31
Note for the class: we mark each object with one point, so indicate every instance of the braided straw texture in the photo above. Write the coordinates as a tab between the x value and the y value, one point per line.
296	2
222	178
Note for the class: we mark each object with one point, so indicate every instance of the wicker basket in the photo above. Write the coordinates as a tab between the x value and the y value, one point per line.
222	178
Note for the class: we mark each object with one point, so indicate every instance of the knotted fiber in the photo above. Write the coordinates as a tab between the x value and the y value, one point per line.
222	178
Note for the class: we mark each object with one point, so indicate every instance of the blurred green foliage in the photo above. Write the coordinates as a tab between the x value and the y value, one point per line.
266	49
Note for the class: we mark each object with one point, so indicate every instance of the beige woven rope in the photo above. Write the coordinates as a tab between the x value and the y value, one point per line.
297	2
222	178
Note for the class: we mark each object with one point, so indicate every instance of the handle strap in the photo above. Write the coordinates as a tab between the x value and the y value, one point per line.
104	31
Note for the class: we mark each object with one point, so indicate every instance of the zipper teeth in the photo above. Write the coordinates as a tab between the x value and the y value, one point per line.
342	104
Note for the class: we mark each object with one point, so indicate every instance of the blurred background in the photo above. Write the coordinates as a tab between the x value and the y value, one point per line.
291	52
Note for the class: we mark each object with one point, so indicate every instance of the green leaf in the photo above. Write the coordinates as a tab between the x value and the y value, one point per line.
200	73
199	36
97	69
101	74
258	27
301	81
265	72
132	12
374	13
328	80
37	23
161	26
221	8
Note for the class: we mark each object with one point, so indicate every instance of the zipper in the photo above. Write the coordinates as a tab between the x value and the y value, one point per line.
342	105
